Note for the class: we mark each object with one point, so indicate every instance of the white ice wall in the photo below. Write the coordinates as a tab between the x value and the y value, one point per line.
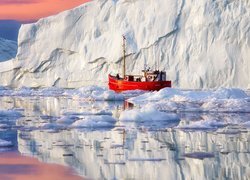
201	44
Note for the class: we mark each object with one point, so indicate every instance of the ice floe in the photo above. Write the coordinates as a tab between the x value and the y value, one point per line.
148	118
89	93
83	119
146	114
92	112
176	100
212	121
96	93
103	121
167	108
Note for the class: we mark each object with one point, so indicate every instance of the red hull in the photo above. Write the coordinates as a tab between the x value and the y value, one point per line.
123	85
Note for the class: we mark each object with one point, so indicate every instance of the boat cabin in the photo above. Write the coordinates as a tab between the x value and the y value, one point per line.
149	76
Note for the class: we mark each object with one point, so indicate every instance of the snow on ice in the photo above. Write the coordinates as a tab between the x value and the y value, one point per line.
103	121
146	114
148	118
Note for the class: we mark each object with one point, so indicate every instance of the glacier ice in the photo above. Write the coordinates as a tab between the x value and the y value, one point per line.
200	44
8	49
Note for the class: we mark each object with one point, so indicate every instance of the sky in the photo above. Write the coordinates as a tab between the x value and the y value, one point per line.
31	10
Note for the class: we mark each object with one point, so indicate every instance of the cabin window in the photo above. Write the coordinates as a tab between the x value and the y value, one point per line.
130	78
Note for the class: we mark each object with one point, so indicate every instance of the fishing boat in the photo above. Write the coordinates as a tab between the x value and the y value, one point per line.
150	80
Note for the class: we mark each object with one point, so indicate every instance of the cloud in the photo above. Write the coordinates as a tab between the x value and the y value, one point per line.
2	2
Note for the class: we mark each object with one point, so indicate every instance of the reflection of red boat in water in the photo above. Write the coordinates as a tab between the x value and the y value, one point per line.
150	80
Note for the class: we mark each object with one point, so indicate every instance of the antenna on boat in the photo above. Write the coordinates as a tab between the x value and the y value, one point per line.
124	55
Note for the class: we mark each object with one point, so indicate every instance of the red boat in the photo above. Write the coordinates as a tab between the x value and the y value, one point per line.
149	81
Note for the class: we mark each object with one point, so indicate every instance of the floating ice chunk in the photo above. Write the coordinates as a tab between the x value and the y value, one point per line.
170	94
101	112
92	112
107	96
88	93
224	118
50	126
87	89
233	93
95	93
176	100
148	113
184	95
103	121
52	91
226	105
133	93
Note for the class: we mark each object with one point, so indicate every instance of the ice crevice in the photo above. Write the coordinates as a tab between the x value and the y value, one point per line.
46	64
177	21
162	38
172	33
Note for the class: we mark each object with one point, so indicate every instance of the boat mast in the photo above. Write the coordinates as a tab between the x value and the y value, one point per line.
124	56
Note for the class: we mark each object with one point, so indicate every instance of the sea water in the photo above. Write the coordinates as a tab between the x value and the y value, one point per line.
104	135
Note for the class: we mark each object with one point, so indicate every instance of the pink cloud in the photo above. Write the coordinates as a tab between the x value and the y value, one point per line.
29	10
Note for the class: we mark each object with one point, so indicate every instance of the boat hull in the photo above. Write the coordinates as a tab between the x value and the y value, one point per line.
123	85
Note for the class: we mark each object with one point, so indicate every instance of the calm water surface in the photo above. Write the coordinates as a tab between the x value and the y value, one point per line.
146	150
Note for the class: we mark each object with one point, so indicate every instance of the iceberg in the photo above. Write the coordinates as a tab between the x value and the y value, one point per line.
8	49
146	114
204	44
103	121
148	118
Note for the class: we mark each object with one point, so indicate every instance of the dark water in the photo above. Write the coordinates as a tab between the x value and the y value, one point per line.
149	150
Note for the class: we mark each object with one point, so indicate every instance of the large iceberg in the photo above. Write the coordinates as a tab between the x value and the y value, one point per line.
200	44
